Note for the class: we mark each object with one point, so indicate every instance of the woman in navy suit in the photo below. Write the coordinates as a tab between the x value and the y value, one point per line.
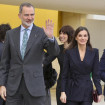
79	61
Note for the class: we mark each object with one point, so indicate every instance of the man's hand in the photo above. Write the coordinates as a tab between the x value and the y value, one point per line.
49	28
3	92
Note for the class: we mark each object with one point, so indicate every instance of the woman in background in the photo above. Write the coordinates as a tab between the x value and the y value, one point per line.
3	29
102	70
50	77
65	37
79	61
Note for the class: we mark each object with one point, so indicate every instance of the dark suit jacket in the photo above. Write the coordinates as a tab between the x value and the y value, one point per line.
78	85
12	66
2	102
1	48
102	68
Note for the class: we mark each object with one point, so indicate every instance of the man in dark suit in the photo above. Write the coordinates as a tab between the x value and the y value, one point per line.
102	69
21	72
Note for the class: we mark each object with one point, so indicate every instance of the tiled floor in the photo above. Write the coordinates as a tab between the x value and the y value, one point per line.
53	99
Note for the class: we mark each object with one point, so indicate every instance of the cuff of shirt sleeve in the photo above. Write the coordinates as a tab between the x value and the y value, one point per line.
51	39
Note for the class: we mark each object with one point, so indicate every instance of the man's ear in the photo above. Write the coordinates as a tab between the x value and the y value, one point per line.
19	15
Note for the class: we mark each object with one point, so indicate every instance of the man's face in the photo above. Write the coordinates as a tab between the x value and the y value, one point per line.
27	16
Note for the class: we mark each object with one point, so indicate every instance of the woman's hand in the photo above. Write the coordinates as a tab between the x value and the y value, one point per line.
63	97
99	98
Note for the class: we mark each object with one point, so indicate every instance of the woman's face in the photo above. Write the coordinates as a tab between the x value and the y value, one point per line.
82	37
63	37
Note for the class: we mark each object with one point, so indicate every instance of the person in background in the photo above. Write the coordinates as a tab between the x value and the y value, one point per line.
79	61
50	77
3	29
21	71
102	70
65	36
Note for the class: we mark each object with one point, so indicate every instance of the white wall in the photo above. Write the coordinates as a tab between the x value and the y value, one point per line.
97	33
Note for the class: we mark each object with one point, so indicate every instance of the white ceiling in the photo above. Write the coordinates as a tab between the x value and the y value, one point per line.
78	6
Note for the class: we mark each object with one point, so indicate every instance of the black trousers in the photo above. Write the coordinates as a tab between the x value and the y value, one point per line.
78	103
23	96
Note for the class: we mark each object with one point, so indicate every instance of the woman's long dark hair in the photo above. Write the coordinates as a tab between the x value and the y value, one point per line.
74	42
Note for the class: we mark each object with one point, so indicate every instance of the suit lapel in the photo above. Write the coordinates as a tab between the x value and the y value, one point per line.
76	57
32	38
16	38
88	55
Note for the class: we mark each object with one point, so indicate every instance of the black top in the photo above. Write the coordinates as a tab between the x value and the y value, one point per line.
50	74
60	58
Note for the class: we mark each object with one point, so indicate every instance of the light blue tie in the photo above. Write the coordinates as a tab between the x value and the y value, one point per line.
24	43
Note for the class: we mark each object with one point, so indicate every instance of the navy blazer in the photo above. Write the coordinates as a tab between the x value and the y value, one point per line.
78	85
102	68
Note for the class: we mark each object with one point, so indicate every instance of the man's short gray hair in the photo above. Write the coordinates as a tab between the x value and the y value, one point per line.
25	4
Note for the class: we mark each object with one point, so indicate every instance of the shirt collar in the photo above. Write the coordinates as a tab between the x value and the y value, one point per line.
29	28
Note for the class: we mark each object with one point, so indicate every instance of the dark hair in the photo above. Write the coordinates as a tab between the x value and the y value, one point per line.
25	4
67	29
74	42
3	29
